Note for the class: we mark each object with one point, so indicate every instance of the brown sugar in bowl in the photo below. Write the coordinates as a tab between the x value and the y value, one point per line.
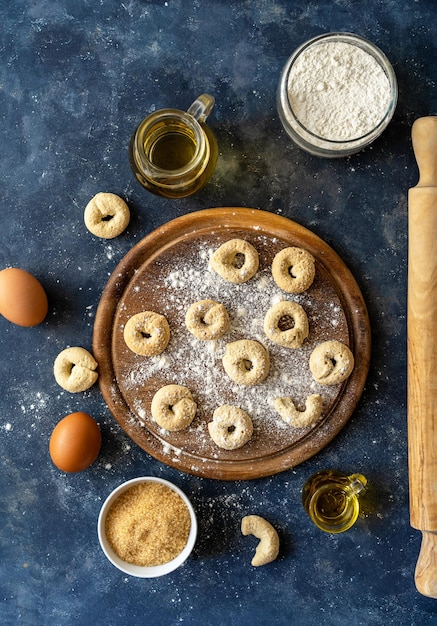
147	527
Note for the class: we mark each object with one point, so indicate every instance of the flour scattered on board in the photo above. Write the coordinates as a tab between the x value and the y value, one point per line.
171	289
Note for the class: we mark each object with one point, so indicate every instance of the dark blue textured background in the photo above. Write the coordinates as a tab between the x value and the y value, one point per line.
76	76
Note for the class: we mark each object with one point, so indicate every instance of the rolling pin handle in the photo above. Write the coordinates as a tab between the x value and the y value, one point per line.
426	567
424	137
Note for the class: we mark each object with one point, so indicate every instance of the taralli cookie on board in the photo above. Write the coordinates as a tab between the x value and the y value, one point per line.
147	333
207	319
300	419
331	362
231	427
106	215
293	269
246	361
235	260
173	407
268	548
74	369
286	324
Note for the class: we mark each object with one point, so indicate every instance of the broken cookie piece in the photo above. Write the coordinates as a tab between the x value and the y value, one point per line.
268	547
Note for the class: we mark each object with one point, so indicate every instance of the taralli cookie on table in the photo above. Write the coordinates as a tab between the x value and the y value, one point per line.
286	324
300	419
207	319
173	407
106	215
246	361
147	333
331	362
74	369
235	260
267	549
293	269
231	427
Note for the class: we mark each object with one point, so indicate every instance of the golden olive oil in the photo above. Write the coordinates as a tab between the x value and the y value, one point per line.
170	148
173	153
331	499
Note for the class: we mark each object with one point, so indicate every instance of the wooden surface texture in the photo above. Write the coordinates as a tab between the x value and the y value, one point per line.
141	282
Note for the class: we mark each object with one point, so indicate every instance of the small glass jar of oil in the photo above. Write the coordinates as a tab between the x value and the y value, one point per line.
173	153
331	499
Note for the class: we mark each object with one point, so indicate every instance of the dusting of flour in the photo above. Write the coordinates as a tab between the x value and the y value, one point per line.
170	285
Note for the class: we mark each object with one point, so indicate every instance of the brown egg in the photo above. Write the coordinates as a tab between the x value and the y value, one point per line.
23	300
75	442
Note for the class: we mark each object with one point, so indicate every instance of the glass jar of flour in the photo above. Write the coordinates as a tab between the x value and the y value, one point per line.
337	93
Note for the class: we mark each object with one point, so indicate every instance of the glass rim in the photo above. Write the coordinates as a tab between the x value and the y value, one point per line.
341	145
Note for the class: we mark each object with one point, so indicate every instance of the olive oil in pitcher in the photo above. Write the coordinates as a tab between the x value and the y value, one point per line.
330	498
170	148
173	153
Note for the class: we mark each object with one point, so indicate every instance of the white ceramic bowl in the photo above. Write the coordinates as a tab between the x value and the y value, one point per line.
137	570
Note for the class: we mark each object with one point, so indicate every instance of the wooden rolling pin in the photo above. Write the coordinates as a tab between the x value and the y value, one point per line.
422	352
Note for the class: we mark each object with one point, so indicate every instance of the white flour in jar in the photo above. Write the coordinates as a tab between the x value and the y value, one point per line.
338	91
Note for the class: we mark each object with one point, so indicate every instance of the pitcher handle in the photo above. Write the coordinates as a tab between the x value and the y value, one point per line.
357	483
202	107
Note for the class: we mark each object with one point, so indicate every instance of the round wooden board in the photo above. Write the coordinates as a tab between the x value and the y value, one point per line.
166	272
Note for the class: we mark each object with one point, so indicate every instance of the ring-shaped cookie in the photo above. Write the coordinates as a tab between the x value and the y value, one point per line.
207	319
246	361
173	407
106	215
300	419
147	333
231	427
293	269
286	324
235	260
74	369
331	362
